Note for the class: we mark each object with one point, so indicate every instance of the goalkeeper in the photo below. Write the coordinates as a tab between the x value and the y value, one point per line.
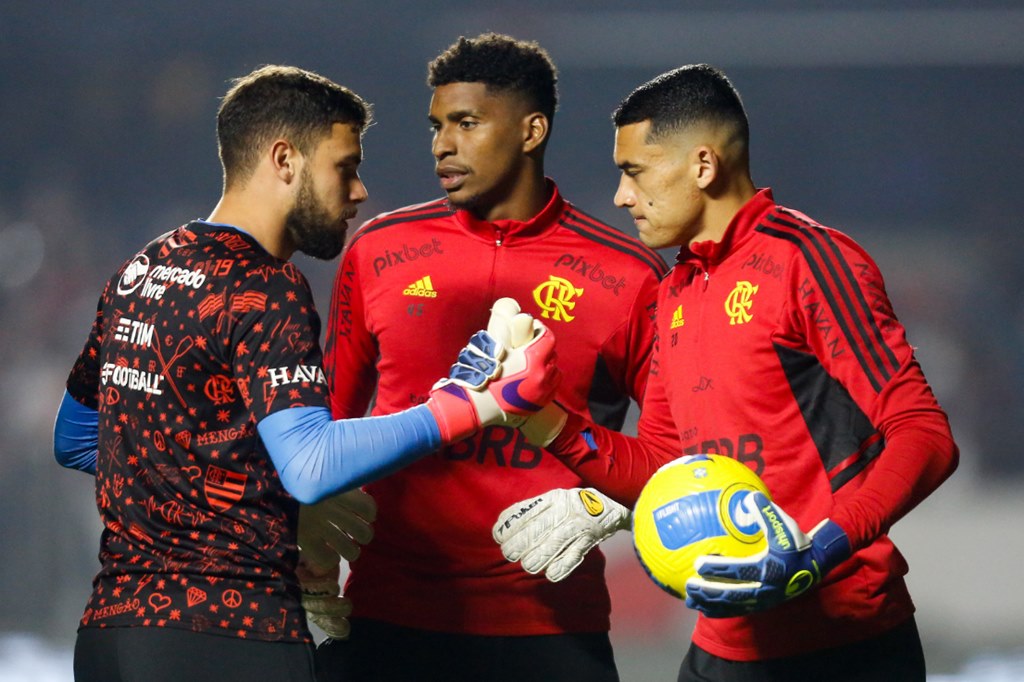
432	584
778	346
199	403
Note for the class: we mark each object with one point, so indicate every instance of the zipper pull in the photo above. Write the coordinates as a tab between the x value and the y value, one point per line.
707	276
500	237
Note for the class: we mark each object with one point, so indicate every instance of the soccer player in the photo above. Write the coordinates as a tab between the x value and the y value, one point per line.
778	346
200	404
433	597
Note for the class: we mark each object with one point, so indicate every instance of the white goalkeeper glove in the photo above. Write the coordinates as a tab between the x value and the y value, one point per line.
329	531
494	382
554	531
323	603
335	527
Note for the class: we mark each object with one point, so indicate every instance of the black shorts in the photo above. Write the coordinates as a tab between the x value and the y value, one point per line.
152	654
893	655
381	652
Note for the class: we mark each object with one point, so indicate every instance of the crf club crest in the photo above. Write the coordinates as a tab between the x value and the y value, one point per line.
223	488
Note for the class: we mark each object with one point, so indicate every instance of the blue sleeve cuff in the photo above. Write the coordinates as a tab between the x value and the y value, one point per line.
76	435
317	457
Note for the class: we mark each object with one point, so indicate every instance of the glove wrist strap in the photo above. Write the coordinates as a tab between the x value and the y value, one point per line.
831	543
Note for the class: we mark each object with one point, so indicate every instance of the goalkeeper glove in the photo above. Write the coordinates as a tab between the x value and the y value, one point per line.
790	565
322	602
554	531
335	527
328	532
493	383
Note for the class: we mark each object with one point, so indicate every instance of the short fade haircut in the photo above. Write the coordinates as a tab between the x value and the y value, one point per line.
678	99
503	64
281	101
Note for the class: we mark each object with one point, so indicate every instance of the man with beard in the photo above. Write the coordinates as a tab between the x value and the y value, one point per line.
200	404
433	585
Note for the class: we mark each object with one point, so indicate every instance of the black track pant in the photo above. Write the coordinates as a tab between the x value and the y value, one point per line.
380	652
152	654
893	656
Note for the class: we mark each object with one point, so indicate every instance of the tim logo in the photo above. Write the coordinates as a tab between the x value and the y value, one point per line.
739	301
133	331
555	298
133	275
223	488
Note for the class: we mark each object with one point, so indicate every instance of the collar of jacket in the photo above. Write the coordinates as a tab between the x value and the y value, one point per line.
740	228
504	230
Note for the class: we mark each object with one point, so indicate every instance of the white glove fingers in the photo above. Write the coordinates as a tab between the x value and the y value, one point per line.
357	501
329	614
520	330
502	312
551	545
341	543
317	556
355	527
567	561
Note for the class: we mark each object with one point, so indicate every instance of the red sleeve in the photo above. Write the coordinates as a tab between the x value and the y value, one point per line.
627	352
350	348
616	464
856	336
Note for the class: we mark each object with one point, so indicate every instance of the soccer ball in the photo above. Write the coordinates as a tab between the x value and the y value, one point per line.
691	507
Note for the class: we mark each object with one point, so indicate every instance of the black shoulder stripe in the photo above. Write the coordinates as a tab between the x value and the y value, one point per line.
586	220
873	339
430	210
859	327
609	236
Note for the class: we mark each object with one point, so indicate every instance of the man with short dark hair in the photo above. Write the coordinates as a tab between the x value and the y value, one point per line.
200	405
778	346
434	599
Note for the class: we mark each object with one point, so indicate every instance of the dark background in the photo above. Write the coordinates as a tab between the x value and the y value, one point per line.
897	122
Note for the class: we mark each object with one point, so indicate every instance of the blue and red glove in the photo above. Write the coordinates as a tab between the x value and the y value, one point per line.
791	564
494	381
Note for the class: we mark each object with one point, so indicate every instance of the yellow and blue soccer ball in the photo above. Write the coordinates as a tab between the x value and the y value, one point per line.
691	507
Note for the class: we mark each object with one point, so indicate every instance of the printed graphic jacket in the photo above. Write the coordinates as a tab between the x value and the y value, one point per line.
196	339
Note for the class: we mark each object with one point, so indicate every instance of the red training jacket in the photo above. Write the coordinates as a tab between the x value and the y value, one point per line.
778	346
412	287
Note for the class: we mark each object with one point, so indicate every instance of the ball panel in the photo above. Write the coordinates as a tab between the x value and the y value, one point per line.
689	508
687	520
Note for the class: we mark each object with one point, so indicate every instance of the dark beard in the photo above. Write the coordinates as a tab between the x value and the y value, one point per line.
311	228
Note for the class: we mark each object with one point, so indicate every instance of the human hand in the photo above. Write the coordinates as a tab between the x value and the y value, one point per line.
502	376
554	531
791	564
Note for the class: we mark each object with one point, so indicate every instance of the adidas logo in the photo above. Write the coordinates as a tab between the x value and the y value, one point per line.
421	287
677	318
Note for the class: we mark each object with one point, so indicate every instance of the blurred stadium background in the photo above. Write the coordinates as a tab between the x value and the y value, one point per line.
898	122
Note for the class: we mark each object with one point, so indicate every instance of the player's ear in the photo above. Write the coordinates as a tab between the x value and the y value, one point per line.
535	131
705	165
284	159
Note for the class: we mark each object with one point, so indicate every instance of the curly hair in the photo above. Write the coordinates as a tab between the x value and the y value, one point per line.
503	64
